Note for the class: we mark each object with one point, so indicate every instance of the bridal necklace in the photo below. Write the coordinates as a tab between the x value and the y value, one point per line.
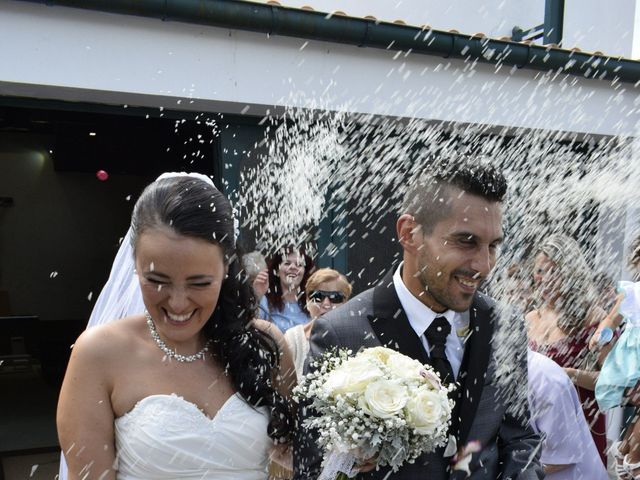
170	352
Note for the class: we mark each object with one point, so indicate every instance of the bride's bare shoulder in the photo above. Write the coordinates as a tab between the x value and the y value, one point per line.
103	342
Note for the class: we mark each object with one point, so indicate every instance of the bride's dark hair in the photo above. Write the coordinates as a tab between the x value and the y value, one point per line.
251	358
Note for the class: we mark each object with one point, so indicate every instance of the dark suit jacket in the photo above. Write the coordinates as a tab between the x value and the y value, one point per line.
375	317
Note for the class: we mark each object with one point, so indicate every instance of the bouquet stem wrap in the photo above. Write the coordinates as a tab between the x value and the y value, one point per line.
338	466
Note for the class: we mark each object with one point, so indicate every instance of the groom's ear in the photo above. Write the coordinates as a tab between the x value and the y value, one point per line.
407	229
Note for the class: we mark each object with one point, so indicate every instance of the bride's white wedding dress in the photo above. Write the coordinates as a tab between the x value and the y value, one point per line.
166	437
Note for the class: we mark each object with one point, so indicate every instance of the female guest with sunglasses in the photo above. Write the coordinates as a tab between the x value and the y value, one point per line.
326	289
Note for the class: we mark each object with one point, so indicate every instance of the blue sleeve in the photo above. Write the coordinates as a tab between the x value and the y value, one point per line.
263	309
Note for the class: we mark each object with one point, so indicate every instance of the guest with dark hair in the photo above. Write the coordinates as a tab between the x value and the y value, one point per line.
165	391
283	302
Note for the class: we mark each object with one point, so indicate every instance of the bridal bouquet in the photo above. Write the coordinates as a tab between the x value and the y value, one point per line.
377	404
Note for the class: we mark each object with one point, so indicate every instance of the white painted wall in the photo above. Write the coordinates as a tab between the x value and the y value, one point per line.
635	51
56	52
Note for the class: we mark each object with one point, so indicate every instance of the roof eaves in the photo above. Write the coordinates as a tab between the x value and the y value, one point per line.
275	19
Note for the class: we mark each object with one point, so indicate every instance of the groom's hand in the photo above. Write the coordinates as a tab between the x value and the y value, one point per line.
367	465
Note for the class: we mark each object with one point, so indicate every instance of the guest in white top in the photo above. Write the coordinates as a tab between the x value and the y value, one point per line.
568	450
325	290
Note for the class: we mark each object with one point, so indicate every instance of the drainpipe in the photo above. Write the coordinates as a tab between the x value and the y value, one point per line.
553	21
291	22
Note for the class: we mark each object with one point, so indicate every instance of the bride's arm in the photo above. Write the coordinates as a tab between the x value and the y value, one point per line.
285	380
85	416
286	376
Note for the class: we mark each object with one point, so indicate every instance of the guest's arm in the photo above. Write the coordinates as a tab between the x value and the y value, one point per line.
633	395
588	378
555	468
285	379
261	284
583	378
307	455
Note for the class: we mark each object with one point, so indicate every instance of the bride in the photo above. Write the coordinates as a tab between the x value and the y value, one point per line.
194	387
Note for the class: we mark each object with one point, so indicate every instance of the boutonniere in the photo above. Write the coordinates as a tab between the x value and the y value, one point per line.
463	332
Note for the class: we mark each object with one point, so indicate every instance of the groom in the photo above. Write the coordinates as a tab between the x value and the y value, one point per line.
429	308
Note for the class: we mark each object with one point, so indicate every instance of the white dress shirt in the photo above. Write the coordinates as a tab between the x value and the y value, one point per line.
420	317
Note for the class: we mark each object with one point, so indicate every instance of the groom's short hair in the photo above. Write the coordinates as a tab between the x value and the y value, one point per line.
427	198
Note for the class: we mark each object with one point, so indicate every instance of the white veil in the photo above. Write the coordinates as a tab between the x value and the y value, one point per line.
120	296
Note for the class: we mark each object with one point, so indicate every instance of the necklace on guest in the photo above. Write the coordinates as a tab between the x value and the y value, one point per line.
170	352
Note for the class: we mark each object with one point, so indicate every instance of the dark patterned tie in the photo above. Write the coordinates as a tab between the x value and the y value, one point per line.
436	335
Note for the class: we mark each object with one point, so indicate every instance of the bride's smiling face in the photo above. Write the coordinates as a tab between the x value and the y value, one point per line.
180	279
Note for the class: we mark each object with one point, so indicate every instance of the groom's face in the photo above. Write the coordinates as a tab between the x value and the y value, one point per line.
459	252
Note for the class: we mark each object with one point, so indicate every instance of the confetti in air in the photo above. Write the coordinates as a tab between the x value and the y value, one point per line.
352	169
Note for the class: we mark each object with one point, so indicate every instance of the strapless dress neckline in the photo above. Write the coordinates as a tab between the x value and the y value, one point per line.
188	404
165	437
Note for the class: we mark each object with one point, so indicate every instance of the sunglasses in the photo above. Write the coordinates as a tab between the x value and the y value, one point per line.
320	295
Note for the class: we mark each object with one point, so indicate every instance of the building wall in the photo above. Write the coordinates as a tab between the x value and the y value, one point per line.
635	50
64	53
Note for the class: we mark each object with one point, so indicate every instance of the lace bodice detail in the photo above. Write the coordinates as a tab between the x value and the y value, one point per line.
167	437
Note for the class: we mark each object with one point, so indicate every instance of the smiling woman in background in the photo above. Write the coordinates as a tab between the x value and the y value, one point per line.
326	290
281	288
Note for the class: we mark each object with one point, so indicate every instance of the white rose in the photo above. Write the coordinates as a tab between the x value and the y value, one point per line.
353	376
384	398
335	383
379	353
404	367
426	410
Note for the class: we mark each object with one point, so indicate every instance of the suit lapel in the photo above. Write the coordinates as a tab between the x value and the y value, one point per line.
475	362
390	322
